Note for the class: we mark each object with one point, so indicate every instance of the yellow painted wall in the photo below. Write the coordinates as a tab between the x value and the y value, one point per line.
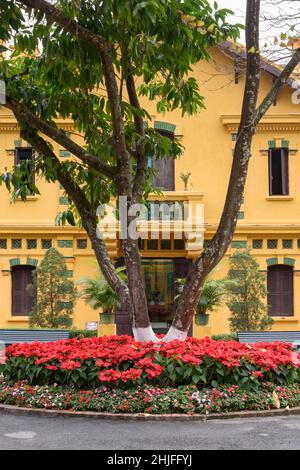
208	143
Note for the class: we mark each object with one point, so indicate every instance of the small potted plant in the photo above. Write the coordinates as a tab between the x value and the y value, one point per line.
211	298
185	177
100	296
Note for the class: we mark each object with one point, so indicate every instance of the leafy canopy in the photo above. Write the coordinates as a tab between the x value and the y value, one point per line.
54	73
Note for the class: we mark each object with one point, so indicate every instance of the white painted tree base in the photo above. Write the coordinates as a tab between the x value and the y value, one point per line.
147	334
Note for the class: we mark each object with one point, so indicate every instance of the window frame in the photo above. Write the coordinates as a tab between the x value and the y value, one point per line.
152	161
284	172
21	311
17	159
278	309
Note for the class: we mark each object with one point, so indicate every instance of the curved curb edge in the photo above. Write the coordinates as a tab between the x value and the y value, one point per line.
16	410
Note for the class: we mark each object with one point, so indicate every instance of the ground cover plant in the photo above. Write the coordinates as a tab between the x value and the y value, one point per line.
150	399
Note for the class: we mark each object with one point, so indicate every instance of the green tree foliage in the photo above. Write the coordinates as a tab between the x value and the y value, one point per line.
55	293
155	41
249	311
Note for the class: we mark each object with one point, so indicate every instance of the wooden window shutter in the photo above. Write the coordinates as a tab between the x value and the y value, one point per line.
270	173
17	292
287	288
281	291
284	172
22	300
165	170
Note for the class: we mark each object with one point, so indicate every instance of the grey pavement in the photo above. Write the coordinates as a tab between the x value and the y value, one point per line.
42	432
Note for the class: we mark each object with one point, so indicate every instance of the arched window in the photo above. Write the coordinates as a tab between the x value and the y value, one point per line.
22	299
281	291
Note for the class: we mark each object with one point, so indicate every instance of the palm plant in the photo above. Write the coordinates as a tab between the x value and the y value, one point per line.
98	294
185	177
212	296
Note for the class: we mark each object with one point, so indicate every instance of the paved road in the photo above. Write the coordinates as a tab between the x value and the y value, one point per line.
39	432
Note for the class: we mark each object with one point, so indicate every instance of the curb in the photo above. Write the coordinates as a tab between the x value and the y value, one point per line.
16	410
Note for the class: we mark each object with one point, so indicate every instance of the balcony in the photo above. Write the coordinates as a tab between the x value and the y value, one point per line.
170	222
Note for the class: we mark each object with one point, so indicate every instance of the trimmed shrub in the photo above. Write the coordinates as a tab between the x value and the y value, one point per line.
79	334
226	337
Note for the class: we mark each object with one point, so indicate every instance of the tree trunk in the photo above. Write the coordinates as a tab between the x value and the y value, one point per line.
141	327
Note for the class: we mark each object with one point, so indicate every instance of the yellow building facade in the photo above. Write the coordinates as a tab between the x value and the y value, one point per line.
269	220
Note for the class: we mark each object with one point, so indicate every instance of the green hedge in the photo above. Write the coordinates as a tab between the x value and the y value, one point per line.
83	334
226	337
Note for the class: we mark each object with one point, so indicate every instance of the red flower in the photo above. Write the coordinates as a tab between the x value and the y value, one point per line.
70	365
114	354
49	367
257	373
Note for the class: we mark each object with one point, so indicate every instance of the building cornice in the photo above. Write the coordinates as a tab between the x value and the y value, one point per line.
21	227
8	124
270	123
256	227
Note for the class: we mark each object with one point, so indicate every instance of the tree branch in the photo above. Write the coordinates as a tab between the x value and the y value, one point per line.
278	84
60	137
88	218
104	48
123	157
242	151
55	15
142	162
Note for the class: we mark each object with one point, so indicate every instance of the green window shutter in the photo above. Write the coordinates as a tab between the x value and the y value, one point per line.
164	126
272	261
272	144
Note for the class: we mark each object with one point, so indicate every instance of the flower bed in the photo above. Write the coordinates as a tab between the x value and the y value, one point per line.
120	362
151	400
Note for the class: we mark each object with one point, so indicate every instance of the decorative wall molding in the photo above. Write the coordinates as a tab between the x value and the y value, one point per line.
270	123
10	152
268	127
7	125
292	152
